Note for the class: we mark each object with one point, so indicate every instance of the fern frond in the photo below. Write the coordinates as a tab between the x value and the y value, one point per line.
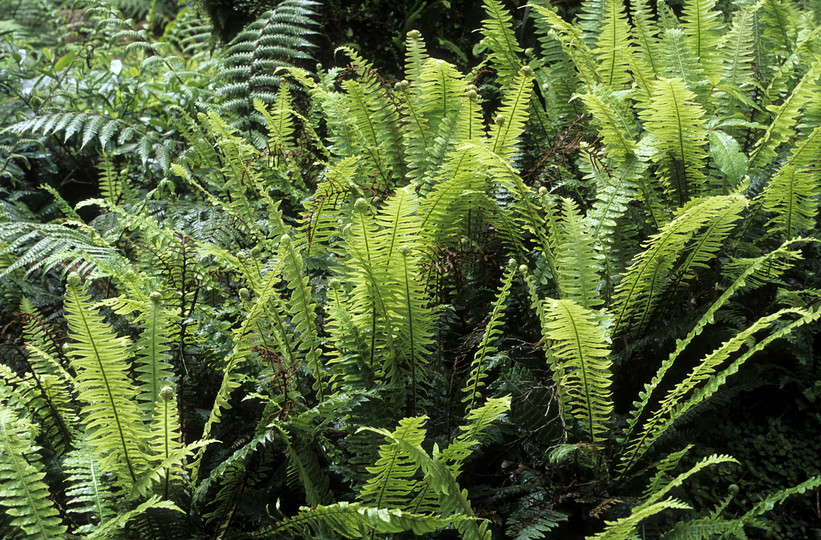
785	115
392	482
704	26
613	46
277	39
750	275
91	497
793	191
674	121
705	379
23	493
645	34
640	288
578	264
625	527
113	420
487	345
354	520
573	44
152	362
505	51
303	311
512	116
415	55
679	60
244	338
614	118
578	354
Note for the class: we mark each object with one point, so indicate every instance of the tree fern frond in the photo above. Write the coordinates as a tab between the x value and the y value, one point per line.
24	494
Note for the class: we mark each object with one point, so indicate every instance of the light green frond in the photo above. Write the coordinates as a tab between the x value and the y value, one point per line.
112	418
614	118
785	116
625	527
578	351
415	55
30	513
676	126
645	34
303	311
573	44
90	495
704	27
639	290
709	374
793	191
679	60
578	264
737	46
392	479
354	520
752	273
279	123
505	51
152	362
478	422
613	46
511	118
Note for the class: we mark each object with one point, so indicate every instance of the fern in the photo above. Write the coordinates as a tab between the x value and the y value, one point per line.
677	136
613	46
639	291
24	494
578	355
114	429
497	29
277	39
153	358
703	27
91	495
487	346
793	191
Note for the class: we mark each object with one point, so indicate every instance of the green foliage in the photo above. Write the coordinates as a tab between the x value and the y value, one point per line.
251	296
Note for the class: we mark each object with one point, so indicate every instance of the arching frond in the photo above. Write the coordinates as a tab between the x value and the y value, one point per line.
793	192
487	345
